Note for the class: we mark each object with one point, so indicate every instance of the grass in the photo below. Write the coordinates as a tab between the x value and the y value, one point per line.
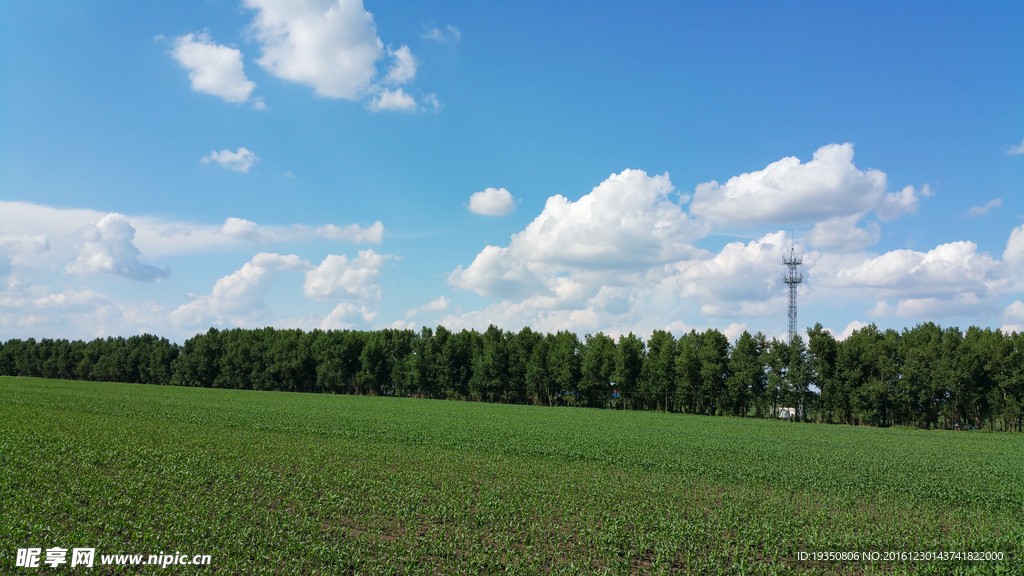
318	484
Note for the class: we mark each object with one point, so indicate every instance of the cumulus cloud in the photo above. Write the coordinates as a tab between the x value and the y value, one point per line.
239	161
338	276
239	298
788	191
905	201
1013	255
108	247
952	279
345	316
249	231
627	222
159	238
932	308
75	313
742	279
581	263
432	104
50	312
841	234
1015	311
492	202
1018	149
213	68
956	267
59	230
19	253
449	34
372	234
403	69
982	210
850	329
438	305
622	257
331	46
881	309
242	229
514	315
392	100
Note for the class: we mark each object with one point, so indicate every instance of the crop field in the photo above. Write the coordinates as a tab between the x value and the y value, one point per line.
282	483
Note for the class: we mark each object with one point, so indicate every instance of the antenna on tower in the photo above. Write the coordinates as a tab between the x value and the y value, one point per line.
792	279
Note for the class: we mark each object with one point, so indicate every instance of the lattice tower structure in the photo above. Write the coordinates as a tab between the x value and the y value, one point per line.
792	278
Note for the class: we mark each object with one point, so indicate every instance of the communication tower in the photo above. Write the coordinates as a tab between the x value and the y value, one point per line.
792	278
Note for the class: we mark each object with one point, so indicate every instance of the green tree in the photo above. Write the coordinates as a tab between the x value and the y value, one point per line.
658	374
540	385
746	373
597	369
629	360
564	365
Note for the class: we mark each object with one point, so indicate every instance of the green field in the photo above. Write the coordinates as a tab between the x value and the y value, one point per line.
321	484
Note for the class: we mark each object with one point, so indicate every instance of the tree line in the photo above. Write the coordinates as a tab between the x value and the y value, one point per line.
926	376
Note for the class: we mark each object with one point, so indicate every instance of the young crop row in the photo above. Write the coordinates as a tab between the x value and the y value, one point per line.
299	484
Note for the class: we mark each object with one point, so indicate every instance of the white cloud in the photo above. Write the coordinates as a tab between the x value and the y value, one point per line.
59	229
74	313
947	269
373	234
398	325
1018	149
403	69
239	298
19	254
963	304
345	316
742	279
438	305
249	231
341	277
159	238
903	202
239	161
952	279
242	229
1013	255
981	210
850	329
1014	311
393	100
881	309
1014	317
515	315
331	46
432	103
492	202
734	330
213	68
841	234
627	222
596	264
449	34
108	247
586	265
787	191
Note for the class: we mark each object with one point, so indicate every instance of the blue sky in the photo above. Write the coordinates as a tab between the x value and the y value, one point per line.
167	167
